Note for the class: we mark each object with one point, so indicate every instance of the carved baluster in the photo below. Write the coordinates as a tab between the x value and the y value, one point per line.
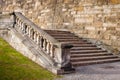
23	27
38	39
52	51
35	36
29	32
20	25
48	47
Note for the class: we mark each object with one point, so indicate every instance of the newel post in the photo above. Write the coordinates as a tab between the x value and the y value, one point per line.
66	55
64	58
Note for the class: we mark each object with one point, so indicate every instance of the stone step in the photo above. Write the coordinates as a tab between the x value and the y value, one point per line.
60	32
83	63
85	48
90	54
79	59
86	51
63	40
56	31
82	52
84	45
61	35
80	42
66	37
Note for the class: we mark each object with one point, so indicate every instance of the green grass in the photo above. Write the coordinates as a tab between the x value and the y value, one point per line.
14	66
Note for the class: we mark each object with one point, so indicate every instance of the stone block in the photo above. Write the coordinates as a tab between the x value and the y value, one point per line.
90	28
98	24
115	1
112	19
111	28
79	8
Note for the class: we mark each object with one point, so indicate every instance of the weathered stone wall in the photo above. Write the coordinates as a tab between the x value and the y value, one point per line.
98	19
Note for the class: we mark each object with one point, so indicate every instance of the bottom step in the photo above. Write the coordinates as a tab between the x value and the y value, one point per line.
83	63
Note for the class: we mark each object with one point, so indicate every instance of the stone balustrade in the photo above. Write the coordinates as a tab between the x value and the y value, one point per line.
57	51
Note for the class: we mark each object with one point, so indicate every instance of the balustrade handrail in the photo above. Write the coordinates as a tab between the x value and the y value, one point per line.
27	21
59	51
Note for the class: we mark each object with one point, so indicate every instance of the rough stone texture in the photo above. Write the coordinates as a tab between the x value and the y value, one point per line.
98	19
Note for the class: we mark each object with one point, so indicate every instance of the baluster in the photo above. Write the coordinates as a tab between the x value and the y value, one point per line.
20	25
38	39
52	51
32	34
29	32
48	47
35	36
23	27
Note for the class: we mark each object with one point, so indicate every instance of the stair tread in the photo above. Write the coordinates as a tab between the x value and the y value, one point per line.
82	47
56	31
69	39
96	61
76	58
80	51
91	54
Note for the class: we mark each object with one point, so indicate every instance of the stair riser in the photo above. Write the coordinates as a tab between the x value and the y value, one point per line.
82	52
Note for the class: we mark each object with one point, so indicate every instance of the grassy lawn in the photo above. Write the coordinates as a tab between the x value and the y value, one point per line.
14	66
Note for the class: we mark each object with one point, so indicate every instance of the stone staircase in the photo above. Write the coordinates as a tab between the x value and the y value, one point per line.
58	51
82	52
